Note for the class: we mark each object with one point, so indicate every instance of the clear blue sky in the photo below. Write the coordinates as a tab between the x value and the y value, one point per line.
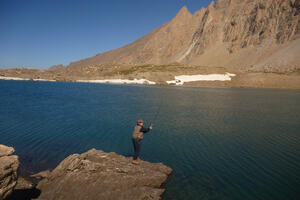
42	33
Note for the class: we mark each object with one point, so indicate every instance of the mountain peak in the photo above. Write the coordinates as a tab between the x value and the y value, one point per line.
184	12
211	5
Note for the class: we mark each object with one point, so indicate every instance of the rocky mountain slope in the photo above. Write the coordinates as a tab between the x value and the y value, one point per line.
244	35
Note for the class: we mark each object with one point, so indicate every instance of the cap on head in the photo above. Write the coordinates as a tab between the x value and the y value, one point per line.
140	121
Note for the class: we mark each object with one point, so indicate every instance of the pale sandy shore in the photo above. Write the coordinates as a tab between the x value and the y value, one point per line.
180	80
22	79
13	78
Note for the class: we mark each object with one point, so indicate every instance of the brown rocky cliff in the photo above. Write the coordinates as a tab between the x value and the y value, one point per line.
243	33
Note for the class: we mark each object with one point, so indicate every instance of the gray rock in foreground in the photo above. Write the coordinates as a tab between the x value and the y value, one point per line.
99	175
9	165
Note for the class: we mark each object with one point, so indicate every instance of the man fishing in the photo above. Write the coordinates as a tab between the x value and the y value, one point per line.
137	136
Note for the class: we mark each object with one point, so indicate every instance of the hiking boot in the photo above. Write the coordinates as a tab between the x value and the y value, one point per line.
136	162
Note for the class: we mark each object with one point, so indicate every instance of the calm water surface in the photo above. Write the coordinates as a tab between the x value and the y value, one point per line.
222	143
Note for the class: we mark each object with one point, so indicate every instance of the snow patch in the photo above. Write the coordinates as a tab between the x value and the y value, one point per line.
180	80
13	78
120	81
40	79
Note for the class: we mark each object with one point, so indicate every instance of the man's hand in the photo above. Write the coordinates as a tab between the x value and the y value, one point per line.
150	127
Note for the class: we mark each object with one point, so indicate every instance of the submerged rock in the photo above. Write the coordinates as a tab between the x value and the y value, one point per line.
99	175
9	165
41	175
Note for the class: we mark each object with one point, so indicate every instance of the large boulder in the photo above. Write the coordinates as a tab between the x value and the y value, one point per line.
99	175
9	165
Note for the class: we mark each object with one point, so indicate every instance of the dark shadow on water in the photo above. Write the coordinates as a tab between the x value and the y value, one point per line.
24	194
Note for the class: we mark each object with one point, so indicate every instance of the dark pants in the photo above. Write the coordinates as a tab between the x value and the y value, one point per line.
137	148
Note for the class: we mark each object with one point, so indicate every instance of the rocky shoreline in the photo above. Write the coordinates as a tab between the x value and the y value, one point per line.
163	75
91	175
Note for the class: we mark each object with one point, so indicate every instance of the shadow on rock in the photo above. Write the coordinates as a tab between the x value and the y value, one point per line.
24	194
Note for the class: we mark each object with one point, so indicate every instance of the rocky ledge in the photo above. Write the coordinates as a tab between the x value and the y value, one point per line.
91	175
9	165
99	175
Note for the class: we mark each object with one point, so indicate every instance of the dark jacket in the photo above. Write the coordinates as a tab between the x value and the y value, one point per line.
138	132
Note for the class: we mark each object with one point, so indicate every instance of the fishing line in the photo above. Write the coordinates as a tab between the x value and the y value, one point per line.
158	111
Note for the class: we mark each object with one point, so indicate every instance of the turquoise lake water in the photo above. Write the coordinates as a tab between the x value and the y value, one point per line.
222	143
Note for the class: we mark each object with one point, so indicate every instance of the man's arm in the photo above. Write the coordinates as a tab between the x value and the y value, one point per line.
145	130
